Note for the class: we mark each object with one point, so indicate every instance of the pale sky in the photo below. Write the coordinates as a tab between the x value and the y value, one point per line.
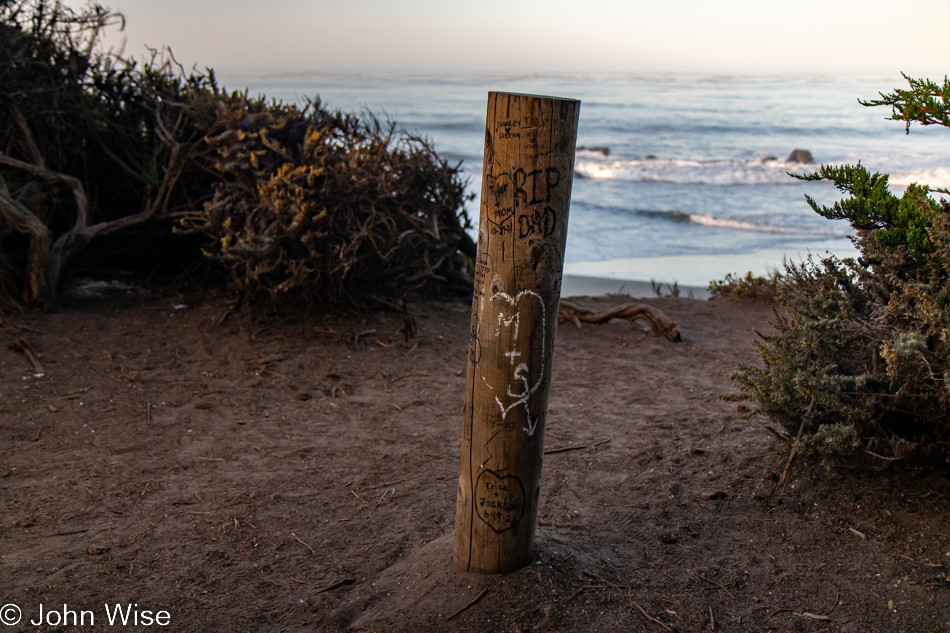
541	36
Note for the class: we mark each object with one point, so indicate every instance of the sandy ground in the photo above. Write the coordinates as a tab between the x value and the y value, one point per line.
221	474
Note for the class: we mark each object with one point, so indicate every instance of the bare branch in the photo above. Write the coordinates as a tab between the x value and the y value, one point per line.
25	134
24	221
82	203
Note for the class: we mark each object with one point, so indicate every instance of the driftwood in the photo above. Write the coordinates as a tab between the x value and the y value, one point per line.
653	317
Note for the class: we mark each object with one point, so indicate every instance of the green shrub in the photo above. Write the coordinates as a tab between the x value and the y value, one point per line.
868	338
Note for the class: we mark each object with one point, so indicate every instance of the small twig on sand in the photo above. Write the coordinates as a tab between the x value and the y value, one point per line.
223	317
648	616
23	346
266	328
777	611
887	459
600	578
573	448
67	533
710	580
307	545
362	334
393	483
413	373
477	598
837	600
812	616
267	360
338	583
794	451
785	437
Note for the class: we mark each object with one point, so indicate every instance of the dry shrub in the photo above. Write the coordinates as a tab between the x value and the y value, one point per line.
293	203
324	206
91	144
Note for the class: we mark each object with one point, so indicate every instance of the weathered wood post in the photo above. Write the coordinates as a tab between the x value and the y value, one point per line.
526	193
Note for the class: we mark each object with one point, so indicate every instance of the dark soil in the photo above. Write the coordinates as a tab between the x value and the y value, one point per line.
300	475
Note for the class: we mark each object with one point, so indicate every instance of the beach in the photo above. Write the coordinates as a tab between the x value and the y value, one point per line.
690	274
300	473
282	349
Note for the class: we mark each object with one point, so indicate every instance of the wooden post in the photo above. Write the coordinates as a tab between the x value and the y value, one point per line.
526	193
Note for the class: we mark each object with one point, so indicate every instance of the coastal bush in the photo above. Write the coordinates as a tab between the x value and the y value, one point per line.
288	202
751	287
860	356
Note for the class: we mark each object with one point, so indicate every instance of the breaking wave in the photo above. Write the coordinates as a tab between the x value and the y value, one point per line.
764	171
779	225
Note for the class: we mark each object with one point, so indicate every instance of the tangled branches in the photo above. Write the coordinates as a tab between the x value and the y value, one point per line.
328	207
89	144
290	202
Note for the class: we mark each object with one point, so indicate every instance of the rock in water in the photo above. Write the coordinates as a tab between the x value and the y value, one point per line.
800	156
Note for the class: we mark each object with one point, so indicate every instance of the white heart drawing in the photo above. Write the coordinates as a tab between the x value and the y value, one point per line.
521	370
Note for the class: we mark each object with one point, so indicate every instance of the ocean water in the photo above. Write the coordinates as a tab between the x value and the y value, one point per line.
688	172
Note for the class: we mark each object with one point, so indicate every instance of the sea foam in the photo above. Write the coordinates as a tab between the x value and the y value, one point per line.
902	169
760	171
780	224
